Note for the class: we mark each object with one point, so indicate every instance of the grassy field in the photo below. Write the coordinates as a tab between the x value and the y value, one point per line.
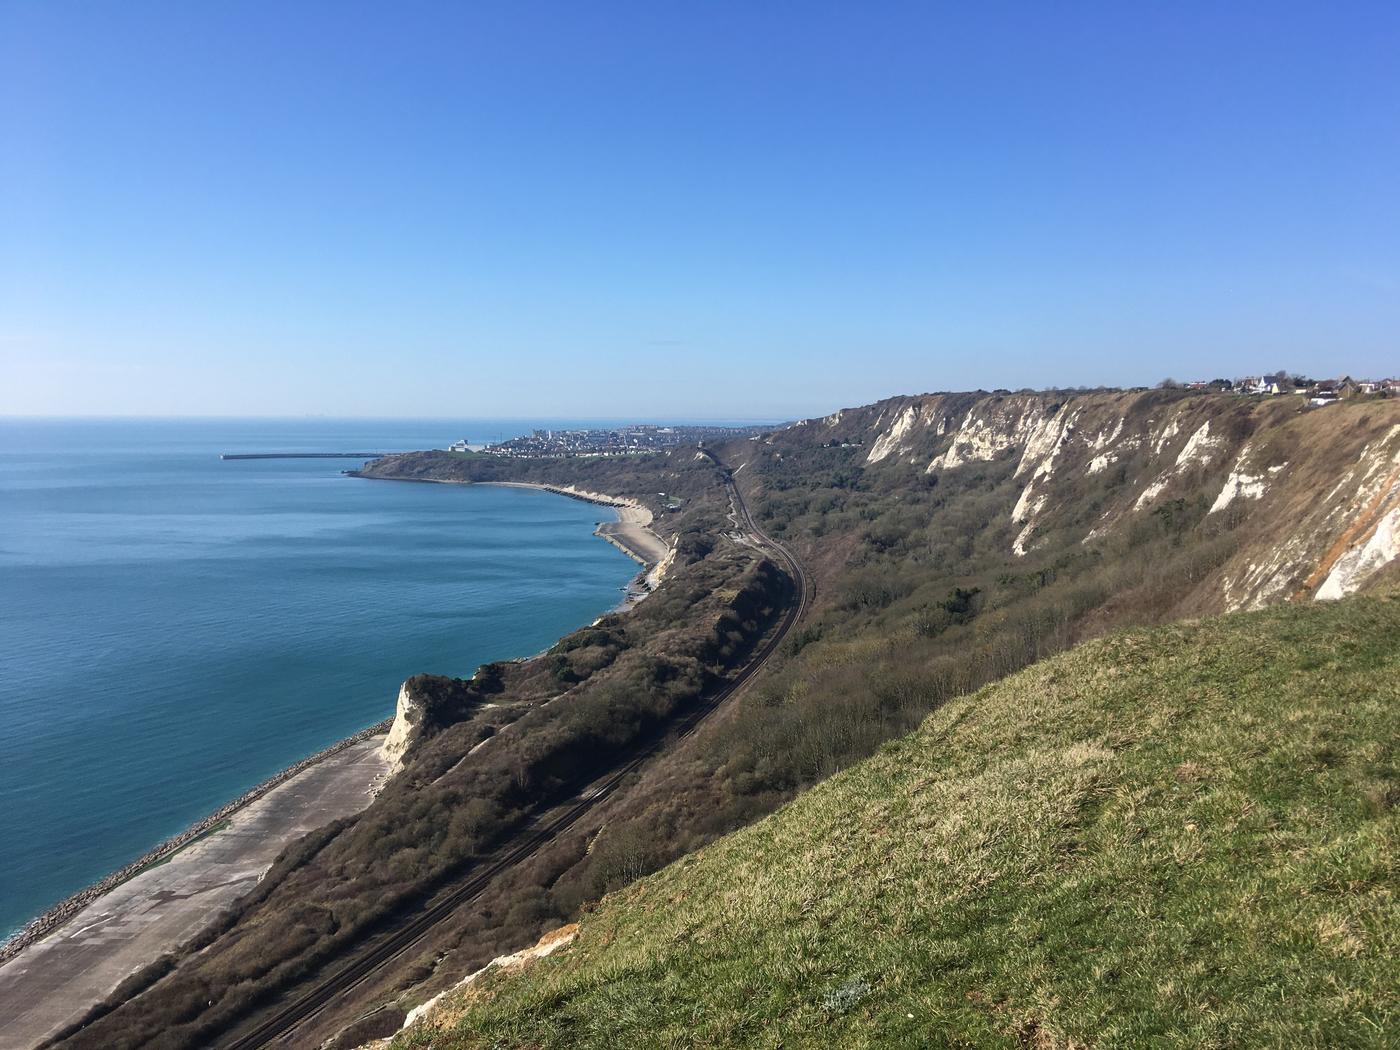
1181	836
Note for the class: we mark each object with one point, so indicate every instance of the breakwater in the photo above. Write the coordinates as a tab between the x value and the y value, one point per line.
304	455
64	910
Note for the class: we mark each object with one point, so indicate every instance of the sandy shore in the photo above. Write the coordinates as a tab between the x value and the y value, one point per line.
56	979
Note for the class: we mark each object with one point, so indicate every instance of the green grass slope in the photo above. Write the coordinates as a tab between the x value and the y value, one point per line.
1183	836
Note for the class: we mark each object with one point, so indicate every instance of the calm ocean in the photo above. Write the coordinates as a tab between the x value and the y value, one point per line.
175	628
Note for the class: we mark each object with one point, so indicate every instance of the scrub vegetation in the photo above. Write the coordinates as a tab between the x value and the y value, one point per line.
1178	836
499	748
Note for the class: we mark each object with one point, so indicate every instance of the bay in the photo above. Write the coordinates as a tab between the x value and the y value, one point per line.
175	628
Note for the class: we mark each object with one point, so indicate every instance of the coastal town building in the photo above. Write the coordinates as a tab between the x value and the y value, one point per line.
615	441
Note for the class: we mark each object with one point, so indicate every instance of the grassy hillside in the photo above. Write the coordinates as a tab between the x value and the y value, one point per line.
1179	836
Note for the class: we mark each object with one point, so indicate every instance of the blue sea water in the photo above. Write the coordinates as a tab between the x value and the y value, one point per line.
175	628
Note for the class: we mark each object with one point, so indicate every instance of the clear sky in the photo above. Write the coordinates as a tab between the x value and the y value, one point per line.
757	209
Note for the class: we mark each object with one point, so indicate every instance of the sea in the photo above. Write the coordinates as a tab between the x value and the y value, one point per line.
176	628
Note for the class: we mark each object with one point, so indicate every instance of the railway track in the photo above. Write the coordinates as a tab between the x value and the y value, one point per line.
288	1017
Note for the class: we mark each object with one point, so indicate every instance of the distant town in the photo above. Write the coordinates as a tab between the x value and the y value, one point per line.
1319	391
619	441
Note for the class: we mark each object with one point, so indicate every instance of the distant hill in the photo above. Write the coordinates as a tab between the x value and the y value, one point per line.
1177	836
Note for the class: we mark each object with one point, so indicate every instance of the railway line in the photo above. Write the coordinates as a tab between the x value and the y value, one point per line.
287	1018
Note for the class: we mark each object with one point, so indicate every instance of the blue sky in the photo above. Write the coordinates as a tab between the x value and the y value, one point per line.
749	210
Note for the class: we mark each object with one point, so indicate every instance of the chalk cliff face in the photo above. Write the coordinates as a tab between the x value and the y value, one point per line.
408	717
426	704
1316	490
436	1015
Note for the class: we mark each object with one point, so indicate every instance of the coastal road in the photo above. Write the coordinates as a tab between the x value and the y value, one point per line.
281	1025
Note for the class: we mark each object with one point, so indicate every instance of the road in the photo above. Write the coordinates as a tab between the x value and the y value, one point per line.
356	971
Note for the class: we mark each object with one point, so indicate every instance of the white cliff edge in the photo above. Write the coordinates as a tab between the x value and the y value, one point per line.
427	1013
408	716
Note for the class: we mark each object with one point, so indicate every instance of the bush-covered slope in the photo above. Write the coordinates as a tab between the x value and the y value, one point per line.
1181	836
1298	500
492	753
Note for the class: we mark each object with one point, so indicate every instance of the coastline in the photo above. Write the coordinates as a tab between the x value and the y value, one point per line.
65	992
632	533
54	918
149	910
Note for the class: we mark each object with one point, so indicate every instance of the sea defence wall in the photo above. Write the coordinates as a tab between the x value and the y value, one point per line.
303	455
